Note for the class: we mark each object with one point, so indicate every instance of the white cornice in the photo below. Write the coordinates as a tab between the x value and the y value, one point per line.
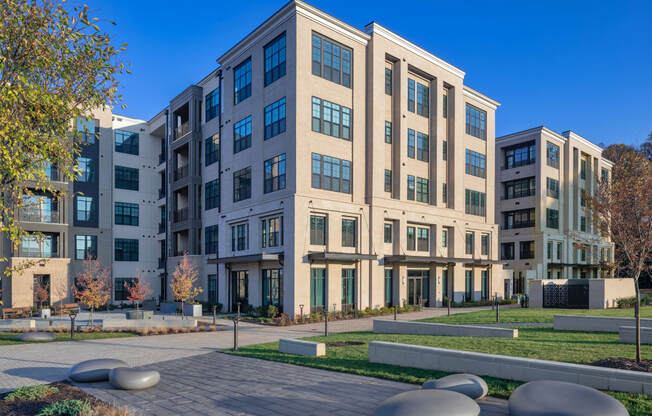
551	134
572	135
332	23
543	130
471	93
374	28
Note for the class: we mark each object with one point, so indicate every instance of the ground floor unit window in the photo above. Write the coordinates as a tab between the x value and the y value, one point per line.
317	290
272	287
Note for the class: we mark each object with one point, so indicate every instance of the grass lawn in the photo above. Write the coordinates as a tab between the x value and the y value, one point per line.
519	315
11	338
542	343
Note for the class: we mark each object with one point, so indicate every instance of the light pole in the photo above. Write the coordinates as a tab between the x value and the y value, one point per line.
72	315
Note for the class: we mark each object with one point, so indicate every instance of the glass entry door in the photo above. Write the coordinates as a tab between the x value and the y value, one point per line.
418	284
239	289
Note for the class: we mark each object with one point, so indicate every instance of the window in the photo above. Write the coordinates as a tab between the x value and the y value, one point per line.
469	242
126	142
444	285
85	246
423	97
521	218
552	155
212	104
476	164
212	194
388	81
272	229
242	81
240	237
242	184
275	59
423	145
388	233
411	238
411	143
348	289
526	249
423	187
275	173
35	246
552	188
582	223
583	169
507	251
211	236
519	188
604	175
582	251
348	233
484	281
126	213
212	149
444	104
331	173
242	135
87	129
559	250
444	238
582	198
484	244
388	180
411	91
275	118
549	250
331	61
388	287
410	187
475	202
120	291
272	287
520	155
317	230
468	285
87	169
126	178
212	288
476	122
317	290
388	131
331	119
552	218
126	249
85	207
444	151
422	239
444	193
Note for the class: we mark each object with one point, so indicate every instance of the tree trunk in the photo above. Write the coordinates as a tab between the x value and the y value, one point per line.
92	309
182	311
637	313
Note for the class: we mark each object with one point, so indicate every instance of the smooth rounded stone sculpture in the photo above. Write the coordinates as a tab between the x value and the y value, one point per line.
469	385
37	336
560	398
94	370
133	379
428	403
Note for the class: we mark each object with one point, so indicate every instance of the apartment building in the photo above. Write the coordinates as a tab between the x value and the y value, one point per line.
110	216
321	166
542	182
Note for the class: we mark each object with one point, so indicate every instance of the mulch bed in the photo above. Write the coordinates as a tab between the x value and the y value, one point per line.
343	343
625	364
29	408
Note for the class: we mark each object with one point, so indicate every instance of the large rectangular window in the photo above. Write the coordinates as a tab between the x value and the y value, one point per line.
423	147
507	251
423	242
242	81
388	180
86	169
388	81
526	249
522	218
212	194
211	236
423	97
126	178
410	187
520	155
125	249
583	169
242	135
484	244
411	144
275	59
240	237
121	287
212	149
85	207
444	238
388	131
411	93
387	233
519	188
33	245
411	238
388	287
476	122
275	118
126	213
272	232
317	230
552	188
212	104
331	119
583	223
348	289
348	233
317	290
331	173
272	287
212	288
469	242
85	247
468	285
275	173
475	203
126	142
484	282
552	155
423	190
242	184
476	164
331	60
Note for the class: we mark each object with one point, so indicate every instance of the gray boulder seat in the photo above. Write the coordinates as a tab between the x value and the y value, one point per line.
559	398
469	385
428	403
37	336
133	378
94	370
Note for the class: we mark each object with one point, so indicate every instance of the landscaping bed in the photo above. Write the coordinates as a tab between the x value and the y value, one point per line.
260	315
54	399
625	364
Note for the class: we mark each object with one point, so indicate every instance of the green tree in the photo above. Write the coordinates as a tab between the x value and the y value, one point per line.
56	67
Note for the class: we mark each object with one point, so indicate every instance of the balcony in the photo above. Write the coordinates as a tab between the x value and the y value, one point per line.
182	130
161	193
181	172
161	158
161	263
181	215
161	227
516	225
49	217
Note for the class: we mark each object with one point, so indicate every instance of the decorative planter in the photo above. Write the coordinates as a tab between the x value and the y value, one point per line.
45	313
192	310
135	315
169	308
149	305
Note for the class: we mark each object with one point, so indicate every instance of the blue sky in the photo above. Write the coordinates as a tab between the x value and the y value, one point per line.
579	65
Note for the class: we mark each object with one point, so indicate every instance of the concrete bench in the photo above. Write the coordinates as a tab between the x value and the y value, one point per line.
627	334
16	312
595	323
386	326
510	368
298	347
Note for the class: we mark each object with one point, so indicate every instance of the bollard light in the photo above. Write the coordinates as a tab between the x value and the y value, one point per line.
72	316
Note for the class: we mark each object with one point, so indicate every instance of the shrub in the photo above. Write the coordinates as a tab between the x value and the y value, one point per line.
31	392
630	302
271	312
67	408
284	319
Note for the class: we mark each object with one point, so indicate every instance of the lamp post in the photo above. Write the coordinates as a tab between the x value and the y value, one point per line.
214	313
235	329
325	321
72	315
301	308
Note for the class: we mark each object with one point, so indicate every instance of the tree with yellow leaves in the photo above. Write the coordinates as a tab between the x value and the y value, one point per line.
183	282
93	285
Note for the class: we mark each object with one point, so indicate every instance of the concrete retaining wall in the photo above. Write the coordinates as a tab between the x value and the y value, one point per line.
149	323
386	326
594	323
298	347
511	368
9	324
627	334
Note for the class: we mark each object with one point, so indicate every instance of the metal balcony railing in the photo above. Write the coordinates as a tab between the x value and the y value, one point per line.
161	263
181	172
161	227
51	217
161	158
181	215
161	193
182	130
